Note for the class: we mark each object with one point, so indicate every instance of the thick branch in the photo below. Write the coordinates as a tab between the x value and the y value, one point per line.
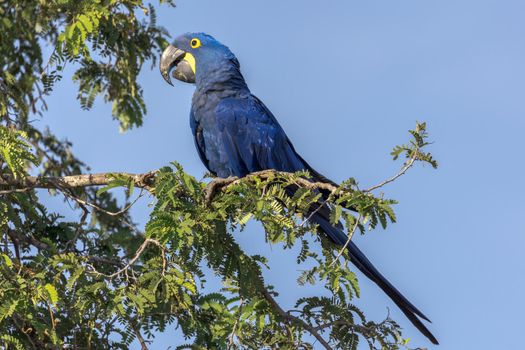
146	181
220	183
30	182
302	182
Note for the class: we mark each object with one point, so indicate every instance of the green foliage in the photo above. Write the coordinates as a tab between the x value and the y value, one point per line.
413	149
108	41
15	151
98	282
67	295
199	234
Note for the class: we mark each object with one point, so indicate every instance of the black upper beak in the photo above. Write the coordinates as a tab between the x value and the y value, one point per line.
174	57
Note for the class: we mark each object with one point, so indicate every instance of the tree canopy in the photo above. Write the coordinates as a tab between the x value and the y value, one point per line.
100	281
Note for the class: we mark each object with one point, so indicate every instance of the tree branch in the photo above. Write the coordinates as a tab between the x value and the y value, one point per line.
350	235
136	329
73	181
30	240
292	319
138	253
407	165
220	183
146	181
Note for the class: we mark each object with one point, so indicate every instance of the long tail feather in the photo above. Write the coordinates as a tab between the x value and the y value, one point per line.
365	266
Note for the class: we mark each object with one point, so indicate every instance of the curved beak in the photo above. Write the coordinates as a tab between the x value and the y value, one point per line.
182	61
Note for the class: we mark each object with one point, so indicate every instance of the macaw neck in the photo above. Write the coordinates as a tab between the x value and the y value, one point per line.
225	79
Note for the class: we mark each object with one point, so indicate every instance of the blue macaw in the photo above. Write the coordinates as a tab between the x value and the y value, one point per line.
236	134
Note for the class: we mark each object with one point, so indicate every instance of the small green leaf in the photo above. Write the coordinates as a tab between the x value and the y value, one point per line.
53	295
7	260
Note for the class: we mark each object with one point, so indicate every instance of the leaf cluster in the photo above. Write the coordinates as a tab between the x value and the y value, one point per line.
413	150
199	233
16	151
105	41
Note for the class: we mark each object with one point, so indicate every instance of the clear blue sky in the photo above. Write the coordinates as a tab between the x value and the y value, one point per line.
347	79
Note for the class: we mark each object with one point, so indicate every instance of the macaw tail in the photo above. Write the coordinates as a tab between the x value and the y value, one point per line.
365	266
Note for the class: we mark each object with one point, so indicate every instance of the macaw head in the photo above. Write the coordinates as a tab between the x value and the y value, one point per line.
192	55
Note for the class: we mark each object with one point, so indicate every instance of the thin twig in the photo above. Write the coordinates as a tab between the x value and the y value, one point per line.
44	246
136	330
96	207
82	202
134	259
27	239
292	319
70	245
231	338
16	190
350	235
319	207
408	164
356	327
21	329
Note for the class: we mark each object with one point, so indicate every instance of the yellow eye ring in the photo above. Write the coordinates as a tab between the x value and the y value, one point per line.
195	43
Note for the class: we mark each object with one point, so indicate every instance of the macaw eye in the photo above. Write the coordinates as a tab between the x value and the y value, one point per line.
195	43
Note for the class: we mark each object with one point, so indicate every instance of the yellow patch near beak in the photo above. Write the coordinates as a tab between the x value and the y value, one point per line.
191	61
